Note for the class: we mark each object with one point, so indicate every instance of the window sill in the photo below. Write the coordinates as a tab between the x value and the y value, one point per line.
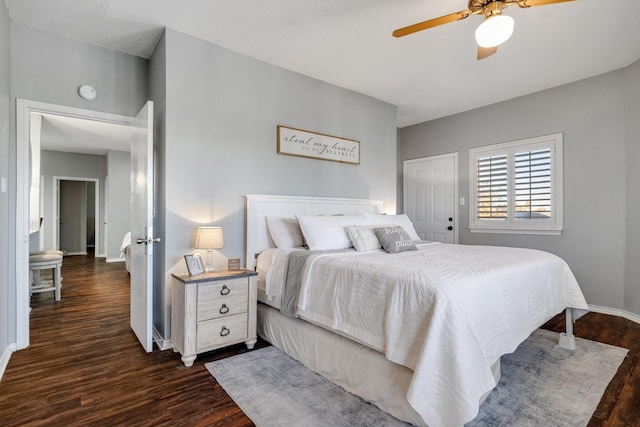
539	231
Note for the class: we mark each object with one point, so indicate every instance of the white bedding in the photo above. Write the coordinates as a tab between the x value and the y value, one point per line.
125	250
448	312
271	267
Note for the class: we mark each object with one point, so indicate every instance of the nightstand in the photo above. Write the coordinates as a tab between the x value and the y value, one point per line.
212	311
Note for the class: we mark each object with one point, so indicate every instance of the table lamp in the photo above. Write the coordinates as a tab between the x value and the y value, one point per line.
209	238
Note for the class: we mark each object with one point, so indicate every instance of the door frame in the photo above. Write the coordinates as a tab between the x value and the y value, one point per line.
56	208
24	108
456	214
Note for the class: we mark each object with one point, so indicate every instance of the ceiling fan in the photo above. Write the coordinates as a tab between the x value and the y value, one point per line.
494	30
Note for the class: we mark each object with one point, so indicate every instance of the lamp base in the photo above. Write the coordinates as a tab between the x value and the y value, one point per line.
210	268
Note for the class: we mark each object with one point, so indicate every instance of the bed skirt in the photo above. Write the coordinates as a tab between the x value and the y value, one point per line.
354	367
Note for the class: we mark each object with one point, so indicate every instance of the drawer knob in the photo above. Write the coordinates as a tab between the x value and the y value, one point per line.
225	290
224	309
224	331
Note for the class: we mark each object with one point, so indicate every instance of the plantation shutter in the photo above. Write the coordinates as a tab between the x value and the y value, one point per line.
532	178
492	187
516	187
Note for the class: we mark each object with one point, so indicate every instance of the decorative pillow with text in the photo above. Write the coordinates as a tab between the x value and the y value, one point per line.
392	220
395	239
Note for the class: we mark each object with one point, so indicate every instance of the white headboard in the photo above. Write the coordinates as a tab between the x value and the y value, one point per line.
260	206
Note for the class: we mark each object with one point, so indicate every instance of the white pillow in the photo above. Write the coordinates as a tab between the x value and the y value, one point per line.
328	232
364	238
285	232
402	220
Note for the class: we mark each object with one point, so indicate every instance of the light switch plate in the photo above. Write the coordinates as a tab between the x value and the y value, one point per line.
4	185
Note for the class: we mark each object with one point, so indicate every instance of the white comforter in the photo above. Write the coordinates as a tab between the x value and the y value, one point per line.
446	311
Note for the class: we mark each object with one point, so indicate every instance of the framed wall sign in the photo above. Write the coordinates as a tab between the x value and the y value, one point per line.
302	143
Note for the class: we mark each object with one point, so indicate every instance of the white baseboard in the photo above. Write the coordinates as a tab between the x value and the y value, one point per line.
161	342
115	260
615	312
4	359
76	253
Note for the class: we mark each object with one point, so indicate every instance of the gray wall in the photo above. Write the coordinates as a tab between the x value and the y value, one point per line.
222	111
119	201
50	68
71	165
632	225
597	135
7	260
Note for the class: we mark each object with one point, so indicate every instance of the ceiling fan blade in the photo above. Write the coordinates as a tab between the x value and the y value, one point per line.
485	52
531	3
432	23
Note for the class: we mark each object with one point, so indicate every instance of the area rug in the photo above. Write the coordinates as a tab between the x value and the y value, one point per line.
541	384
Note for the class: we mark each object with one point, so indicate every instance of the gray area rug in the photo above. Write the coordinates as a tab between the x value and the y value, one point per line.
541	384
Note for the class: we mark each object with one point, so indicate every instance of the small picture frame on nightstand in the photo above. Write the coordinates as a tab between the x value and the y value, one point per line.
195	266
233	264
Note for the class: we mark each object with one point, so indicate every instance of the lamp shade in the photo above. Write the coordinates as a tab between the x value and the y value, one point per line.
494	30
209	238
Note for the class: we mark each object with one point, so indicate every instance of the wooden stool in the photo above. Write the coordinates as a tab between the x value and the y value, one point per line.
46	260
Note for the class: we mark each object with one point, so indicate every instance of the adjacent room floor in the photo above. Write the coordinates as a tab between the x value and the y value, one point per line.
85	366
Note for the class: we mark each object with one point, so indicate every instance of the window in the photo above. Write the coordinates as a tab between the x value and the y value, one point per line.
516	187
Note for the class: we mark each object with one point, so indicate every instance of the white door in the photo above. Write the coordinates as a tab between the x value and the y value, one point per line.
430	193
142	228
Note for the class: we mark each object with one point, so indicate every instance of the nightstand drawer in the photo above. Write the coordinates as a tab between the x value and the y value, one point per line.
220	332
222	299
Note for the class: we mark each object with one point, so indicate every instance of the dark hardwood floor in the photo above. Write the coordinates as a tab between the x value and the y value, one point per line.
85	366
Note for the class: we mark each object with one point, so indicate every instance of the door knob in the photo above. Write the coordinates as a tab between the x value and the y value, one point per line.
450	228
147	240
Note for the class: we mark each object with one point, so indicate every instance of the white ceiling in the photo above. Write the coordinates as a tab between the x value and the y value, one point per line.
427	75
74	135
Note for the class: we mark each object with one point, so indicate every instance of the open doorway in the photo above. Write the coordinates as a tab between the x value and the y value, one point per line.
59	114
76	228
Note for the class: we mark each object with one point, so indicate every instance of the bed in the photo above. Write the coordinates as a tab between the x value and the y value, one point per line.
416	328
125	250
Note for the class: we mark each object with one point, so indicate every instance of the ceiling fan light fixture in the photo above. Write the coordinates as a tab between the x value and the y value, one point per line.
495	30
